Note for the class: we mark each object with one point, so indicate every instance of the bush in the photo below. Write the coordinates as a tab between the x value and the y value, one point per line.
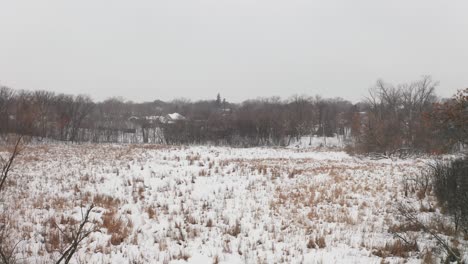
450	184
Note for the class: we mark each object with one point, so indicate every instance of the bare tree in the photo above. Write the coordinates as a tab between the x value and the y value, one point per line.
299	115
81	108
6	164
76	236
396	116
6	250
450	120
6	98
43	103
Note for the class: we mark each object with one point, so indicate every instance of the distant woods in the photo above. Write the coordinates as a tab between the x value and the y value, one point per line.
409	117
391	118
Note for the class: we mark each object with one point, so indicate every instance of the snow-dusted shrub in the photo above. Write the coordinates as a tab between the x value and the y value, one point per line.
450	184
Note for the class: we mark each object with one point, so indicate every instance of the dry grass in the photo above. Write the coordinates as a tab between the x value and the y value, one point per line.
428	258
53	241
182	255
116	226
106	201
289	199
151	211
235	230
209	223
396	248
318	242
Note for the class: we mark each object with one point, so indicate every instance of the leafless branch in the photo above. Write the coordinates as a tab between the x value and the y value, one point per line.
77	236
6	167
409	214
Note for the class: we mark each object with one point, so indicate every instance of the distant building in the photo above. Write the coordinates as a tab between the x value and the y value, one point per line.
150	127
156	120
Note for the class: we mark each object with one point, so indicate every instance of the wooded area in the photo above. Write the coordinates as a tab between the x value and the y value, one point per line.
392	118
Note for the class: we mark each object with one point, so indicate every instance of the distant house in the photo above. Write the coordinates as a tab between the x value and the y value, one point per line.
174	117
150	127
153	121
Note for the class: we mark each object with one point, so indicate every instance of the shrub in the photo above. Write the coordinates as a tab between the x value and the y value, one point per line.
450	184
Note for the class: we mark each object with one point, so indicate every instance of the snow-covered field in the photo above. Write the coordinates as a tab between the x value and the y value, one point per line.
163	204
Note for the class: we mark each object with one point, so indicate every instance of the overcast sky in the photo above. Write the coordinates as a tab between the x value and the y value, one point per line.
165	49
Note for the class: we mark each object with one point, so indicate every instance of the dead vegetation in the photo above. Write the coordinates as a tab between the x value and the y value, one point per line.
396	248
292	206
114	226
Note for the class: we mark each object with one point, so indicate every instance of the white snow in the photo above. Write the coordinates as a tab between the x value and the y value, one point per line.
207	204
176	116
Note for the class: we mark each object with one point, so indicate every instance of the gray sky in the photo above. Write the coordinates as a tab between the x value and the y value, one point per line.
165	49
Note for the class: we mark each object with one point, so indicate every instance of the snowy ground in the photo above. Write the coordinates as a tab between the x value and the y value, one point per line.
161	204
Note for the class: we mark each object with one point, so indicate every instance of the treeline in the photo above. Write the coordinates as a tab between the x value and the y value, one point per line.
409	117
390	119
264	121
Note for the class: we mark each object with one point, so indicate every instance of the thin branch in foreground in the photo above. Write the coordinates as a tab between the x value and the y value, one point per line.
7	164
77	236
409	214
